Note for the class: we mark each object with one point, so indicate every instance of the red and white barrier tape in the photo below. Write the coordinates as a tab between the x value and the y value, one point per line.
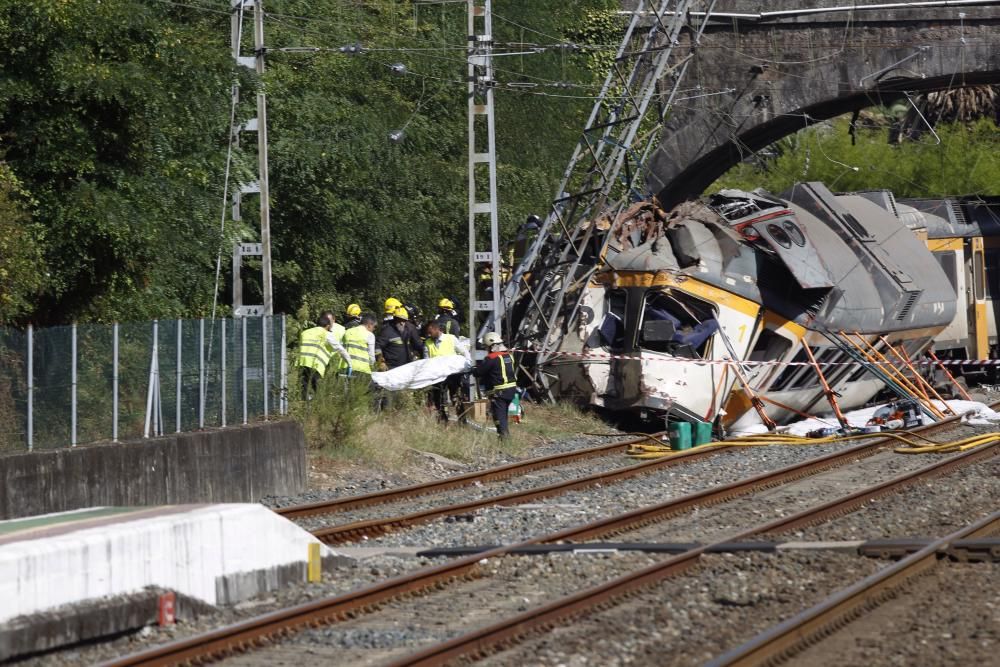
595	356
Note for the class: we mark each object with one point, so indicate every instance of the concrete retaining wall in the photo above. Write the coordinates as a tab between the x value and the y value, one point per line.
236	464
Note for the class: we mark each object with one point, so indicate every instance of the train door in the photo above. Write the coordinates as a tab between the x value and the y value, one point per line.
979	332
950	255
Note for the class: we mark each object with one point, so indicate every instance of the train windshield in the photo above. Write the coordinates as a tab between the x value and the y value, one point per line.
677	324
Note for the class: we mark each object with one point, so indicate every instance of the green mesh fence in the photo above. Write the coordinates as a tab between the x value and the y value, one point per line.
97	383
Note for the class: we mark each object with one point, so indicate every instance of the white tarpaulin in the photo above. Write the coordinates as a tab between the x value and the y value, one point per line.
422	373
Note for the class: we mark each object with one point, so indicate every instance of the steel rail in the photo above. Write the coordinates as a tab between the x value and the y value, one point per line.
791	636
375	527
484	641
257	631
457	481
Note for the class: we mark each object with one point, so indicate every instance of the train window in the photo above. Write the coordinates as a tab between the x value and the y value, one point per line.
992	273
862	372
769	346
947	261
790	371
690	323
780	235
794	233
978	276
809	378
612	328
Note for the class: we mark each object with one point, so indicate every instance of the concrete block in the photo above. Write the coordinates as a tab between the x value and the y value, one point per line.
235	464
212	553
71	624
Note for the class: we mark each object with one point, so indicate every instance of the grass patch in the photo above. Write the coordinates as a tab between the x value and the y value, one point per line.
341	423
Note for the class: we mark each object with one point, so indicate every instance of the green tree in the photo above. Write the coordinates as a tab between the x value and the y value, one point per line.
112	115
22	272
963	162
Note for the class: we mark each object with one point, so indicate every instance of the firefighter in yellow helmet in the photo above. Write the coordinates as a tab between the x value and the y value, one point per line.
389	311
353	313
448	318
398	341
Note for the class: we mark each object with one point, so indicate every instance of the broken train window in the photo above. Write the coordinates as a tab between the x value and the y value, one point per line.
612	329
677	324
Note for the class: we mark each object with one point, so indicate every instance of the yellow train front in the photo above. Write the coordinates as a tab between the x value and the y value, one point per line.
769	283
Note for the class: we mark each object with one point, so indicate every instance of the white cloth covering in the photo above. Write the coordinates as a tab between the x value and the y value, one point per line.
422	373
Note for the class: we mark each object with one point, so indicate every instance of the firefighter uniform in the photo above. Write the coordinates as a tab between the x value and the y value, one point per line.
498	373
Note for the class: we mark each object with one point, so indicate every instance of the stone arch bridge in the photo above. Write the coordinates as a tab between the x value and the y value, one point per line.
766	69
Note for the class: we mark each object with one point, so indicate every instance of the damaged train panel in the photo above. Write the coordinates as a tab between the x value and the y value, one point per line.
676	297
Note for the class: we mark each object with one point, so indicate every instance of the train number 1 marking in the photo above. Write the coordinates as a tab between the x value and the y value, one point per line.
743	333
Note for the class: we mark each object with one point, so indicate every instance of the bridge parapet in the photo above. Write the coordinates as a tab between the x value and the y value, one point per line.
760	78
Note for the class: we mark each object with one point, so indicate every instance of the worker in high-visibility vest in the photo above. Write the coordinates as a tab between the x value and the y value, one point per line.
440	344
498	373
316	346
360	344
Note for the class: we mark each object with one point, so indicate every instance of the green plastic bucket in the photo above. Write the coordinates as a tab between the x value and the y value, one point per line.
702	433
680	435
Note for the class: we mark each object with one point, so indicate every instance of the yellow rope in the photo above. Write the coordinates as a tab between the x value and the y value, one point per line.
767	440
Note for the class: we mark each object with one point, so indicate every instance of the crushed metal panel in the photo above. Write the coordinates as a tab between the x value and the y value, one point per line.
790	242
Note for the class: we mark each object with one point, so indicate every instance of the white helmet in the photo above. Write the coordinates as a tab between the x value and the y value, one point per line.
491	339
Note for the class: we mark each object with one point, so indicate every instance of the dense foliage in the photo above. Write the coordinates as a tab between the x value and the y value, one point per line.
114	127
964	161
114	122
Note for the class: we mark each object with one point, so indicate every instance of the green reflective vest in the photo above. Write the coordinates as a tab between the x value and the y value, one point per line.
314	351
356	342
442	347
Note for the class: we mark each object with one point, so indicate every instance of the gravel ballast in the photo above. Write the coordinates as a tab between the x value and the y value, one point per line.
689	619
507	525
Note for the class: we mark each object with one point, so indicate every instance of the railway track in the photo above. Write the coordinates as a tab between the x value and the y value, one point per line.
263	629
466	480
797	633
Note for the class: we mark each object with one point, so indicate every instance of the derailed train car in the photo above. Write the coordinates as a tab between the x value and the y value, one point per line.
749	277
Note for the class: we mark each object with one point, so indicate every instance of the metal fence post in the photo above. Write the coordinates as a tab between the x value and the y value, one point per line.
153	381
180	371
31	387
201	373
283	381
222	360
114	382
263	361
243	369
72	386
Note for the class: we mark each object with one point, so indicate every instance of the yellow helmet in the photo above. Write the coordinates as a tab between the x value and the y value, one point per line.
353	310
400	313
391	304
445	303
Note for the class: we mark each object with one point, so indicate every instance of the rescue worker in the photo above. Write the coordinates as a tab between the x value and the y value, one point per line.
440	344
337	333
448	317
316	347
497	371
416	317
353	313
389	310
398	342
360	343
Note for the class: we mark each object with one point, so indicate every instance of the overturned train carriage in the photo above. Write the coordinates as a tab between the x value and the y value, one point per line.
753	278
